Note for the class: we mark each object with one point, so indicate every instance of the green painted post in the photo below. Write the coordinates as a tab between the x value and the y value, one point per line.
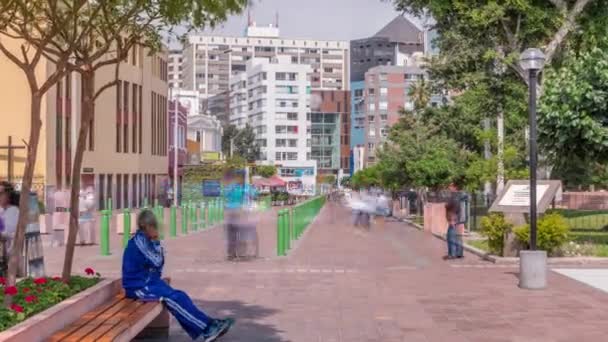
286	233
203	216
173	222
126	226
280	232
221	204
211	213
110	204
145	202
161	223
105	233
185	218
197	221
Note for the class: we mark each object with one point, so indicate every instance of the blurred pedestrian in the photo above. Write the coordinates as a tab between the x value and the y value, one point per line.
454	242
9	213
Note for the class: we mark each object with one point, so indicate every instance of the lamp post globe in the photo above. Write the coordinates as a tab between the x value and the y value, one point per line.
532	59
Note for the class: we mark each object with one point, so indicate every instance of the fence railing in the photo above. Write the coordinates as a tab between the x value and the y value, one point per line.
194	216
292	223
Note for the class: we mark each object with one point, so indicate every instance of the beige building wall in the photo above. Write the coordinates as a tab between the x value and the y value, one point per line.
15	117
103	164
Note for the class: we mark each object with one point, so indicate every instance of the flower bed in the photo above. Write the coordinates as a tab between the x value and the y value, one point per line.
32	296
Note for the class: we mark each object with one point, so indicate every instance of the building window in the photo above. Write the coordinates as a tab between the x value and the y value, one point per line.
383	77
372	130
280	142
383	105
293	142
372	107
370	146
125	141
383	91
371	118
292	116
383	117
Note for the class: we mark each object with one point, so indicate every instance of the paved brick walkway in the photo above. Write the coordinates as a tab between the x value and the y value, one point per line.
388	284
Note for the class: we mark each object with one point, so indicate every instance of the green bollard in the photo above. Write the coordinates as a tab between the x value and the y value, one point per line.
192	216
105	233
110	208
126	226
204	221
173	222
286	237
211	213
185	218
280	233
196	219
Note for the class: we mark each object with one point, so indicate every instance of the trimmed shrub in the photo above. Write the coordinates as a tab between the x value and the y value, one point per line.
494	227
553	232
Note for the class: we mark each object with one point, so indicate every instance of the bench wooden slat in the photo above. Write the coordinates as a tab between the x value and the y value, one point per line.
101	320
86	319
138	320
110	323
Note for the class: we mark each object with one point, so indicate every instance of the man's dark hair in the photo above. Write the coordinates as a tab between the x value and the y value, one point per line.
13	195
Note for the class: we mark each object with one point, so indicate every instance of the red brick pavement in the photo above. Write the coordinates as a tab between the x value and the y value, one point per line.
388	284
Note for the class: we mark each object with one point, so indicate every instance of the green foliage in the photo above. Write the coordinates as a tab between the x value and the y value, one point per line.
265	171
345	181
573	120
494	227
367	177
35	296
553	232
244	142
329	179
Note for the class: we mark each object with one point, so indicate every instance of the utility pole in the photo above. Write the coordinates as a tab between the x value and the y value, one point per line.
10	155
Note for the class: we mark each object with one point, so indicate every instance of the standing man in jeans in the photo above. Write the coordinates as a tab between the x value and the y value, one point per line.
454	239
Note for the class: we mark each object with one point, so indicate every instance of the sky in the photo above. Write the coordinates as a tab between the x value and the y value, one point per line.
315	19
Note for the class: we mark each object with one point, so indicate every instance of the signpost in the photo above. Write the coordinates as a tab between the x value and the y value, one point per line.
212	188
514	202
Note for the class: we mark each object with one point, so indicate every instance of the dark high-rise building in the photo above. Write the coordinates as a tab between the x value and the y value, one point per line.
394	44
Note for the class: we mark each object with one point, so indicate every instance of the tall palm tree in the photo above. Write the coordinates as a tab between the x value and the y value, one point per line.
420	93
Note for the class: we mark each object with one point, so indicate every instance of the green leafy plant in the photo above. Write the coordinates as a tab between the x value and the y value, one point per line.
552	233
266	171
494	227
31	296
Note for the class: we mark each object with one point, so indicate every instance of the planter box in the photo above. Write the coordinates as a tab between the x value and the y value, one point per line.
43	325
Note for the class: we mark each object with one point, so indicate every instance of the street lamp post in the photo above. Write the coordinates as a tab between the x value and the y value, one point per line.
533	263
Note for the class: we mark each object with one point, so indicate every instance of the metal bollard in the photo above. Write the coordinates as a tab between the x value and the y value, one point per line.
204	219
280	233
126	226
105	232
286	234
161	222
185	218
192	216
196	218
211	213
173	222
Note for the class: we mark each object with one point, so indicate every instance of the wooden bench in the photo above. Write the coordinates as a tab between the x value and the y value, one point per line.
120	319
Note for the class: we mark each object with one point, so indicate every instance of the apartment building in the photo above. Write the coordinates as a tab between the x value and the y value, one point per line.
209	63
273	97
330	130
126	152
394	44
175	69
386	93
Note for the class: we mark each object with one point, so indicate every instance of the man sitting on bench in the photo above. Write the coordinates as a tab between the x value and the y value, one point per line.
142	266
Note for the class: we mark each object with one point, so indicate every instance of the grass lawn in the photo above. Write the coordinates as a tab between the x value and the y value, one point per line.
479	244
585	219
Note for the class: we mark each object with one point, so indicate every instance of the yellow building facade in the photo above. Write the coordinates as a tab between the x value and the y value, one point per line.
126	151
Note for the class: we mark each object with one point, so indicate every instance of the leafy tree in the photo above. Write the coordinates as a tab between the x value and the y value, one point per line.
420	93
573	124
244	142
346	181
27	30
329	179
366	178
265	171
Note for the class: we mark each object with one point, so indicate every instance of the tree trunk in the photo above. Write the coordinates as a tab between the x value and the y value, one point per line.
26	185
88	105
500	172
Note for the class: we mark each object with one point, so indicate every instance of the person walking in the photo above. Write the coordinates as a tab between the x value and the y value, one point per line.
452	210
142	267
9	214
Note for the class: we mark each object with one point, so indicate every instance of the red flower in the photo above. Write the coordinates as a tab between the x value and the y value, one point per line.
25	290
40	281
30	299
89	271
57	278
11	290
2	281
39	289
17	308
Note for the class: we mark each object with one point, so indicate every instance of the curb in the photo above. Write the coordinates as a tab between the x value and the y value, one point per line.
515	260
